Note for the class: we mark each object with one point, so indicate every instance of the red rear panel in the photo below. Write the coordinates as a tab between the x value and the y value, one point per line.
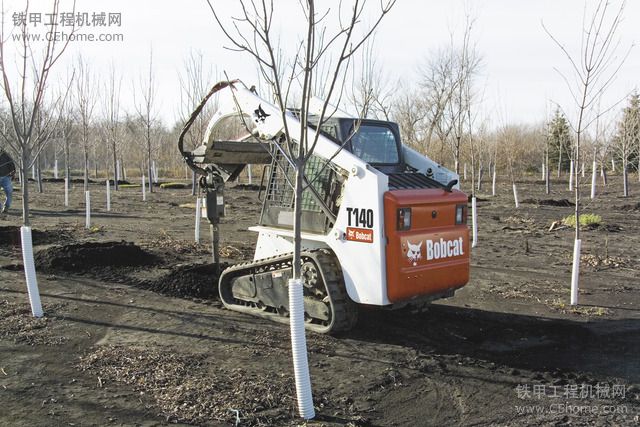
431	257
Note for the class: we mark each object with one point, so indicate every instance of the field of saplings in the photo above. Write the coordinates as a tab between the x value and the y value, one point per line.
134	332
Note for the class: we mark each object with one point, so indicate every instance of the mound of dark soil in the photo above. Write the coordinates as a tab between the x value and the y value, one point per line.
628	208
186	281
250	187
609	228
85	256
549	202
12	267
73	180
10	235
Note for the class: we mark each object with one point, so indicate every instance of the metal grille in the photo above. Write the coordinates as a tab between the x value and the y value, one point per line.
279	191
400	181
320	181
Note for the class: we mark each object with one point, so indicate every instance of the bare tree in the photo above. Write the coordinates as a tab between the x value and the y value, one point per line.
460	105
25	91
370	94
446	81
627	140
594	68
438	86
195	81
112	115
409	112
85	99
252	33
145	105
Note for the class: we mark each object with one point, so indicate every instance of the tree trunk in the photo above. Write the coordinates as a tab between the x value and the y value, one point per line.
25	184
39	174
149	171
115	166
547	178
67	167
86	168
559	160
625	178
297	219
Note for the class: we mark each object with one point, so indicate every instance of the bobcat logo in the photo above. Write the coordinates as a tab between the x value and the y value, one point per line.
414	253
260	114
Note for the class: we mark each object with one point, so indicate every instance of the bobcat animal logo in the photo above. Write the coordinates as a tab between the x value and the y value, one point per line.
414	253
261	115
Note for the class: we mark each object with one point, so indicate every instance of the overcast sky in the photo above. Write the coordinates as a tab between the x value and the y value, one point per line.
517	77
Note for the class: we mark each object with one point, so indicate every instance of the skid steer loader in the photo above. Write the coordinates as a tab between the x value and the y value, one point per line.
382	225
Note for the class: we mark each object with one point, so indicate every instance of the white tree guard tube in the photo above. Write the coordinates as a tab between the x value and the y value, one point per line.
515	196
543	171
250	174
66	192
144	189
575	271
493	184
571	176
124	173
594	177
55	169
465	171
613	165
33	172
155	172
30	272
474	216
198	217
117	170
582	170
108	196
299	350
87	197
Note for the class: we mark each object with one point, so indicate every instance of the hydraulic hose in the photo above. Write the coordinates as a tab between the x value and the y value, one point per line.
187	156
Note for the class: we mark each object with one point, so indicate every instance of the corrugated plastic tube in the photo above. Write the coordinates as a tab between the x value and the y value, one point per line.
87	195
66	191
299	350
575	271
198	218
474	217
30	272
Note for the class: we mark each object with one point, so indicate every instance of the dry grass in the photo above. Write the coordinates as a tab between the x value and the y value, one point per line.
18	324
582	310
189	390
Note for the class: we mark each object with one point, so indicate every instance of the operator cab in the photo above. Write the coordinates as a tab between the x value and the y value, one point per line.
378	143
374	141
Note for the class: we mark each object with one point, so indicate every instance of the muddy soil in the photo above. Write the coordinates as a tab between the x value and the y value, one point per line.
134	333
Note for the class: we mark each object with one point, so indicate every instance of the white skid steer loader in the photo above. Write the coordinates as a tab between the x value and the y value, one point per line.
382	225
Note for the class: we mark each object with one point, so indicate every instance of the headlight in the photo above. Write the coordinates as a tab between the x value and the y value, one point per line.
404	219
461	214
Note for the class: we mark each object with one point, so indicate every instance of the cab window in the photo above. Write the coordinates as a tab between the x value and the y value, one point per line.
375	144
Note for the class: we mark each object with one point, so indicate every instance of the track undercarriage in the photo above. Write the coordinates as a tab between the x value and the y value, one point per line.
261	289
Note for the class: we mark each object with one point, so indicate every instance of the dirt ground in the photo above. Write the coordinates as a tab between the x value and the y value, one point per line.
134	333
